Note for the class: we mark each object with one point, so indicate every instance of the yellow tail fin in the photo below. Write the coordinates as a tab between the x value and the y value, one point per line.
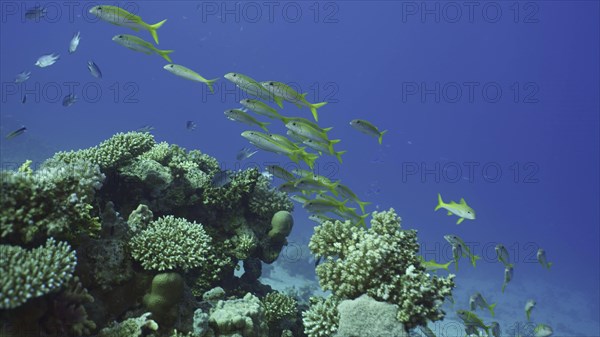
440	202
154	27
165	54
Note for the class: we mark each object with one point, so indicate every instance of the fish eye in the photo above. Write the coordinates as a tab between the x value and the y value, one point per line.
234	75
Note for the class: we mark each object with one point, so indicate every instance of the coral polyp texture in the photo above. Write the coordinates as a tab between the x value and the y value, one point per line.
27	274
55	200
354	259
171	243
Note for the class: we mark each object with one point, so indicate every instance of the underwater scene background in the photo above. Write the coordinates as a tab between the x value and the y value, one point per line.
493	102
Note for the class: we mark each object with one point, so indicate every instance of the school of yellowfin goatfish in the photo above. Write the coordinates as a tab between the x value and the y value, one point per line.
318	194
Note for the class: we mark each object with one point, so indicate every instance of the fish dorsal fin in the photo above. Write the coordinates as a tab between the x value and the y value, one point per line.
462	201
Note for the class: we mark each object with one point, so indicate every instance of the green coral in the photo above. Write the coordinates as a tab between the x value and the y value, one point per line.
114	152
355	257
166	292
52	201
230	196
171	243
278	306
131	327
140	218
322	318
265	201
29	274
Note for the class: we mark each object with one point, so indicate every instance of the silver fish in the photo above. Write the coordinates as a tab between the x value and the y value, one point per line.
47	60
74	43
22	77
222	178
94	69
245	153
508	275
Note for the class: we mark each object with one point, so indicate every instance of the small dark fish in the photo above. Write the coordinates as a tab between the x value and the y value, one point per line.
35	13
317	261
145	128
244	153
24	99
69	100
94	70
16	133
222	178
190	125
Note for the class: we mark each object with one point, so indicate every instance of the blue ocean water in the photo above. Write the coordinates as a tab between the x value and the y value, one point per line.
494	102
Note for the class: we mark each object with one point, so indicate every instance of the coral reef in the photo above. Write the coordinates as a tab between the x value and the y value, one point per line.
322	318
131	327
166	292
367	317
354	258
27	274
155	226
278	306
242	316
171	243
55	200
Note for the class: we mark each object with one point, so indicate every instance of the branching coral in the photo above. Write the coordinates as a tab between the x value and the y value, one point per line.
355	257
278	306
266	201
52	201
322	318
113	152
29	274
171	243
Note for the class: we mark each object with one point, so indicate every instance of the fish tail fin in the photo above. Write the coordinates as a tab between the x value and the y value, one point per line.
491	307
309	159
209	83
339	156
165	55
440	202
548	265
279	101
381	135
313	109
362	220
333	188
154	27
362	204
474	259
263	125
503	286
456	265
446	265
